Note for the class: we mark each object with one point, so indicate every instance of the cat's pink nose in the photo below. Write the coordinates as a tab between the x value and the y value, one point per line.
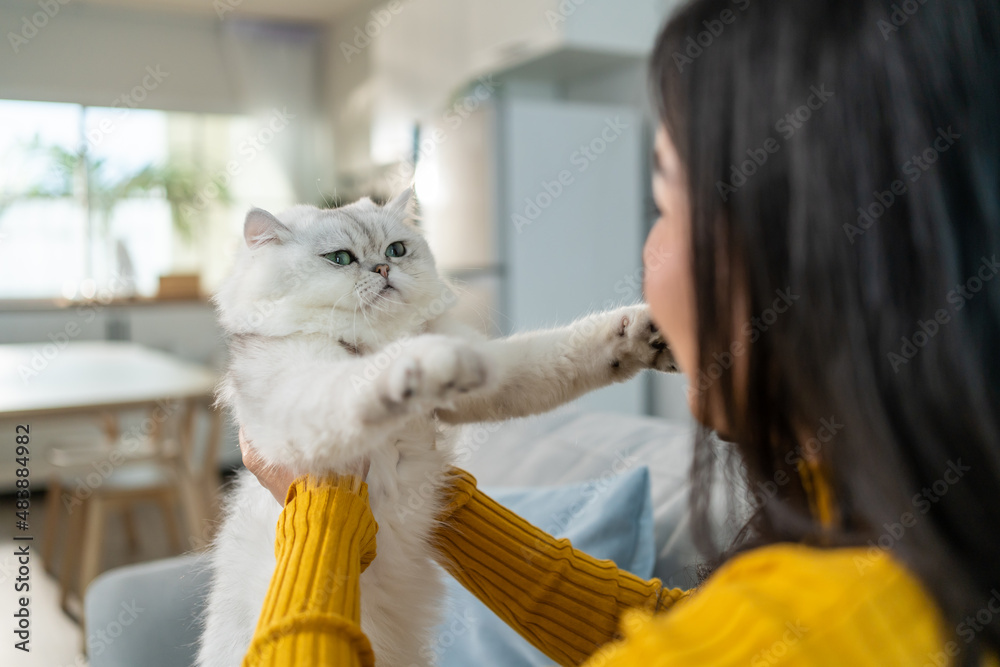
383	269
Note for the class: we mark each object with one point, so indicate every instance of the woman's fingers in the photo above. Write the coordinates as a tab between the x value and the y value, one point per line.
273	478
245	448
277	479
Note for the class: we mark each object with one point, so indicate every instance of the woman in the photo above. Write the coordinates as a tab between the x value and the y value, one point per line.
844	158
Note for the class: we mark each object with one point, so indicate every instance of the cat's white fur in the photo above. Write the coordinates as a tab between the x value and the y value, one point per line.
330	364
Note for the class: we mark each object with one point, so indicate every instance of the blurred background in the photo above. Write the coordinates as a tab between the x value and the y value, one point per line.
134	136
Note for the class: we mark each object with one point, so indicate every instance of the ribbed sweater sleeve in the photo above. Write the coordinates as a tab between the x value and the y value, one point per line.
783	604
311	615
566	603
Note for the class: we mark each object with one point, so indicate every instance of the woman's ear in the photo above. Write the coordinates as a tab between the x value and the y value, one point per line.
261	227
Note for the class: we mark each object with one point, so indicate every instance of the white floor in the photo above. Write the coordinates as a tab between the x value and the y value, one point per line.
56	640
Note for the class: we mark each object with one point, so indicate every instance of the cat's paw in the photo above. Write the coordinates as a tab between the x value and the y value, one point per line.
636	343
433	370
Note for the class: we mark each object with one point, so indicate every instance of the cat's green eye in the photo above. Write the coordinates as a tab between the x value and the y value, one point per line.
396	249
341	257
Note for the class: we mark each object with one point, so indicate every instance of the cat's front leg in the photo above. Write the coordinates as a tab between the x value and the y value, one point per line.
541	370
429	372
308	413
636	344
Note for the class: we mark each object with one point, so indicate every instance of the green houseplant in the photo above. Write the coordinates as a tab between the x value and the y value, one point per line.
189	190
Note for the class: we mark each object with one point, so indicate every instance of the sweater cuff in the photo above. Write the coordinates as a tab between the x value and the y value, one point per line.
458	492
325	539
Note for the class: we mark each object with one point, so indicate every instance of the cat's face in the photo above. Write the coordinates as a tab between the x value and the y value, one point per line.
364	264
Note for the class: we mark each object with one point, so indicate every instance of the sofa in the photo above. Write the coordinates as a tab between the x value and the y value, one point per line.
147	614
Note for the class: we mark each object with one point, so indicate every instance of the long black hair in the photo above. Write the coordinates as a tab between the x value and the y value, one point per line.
843	165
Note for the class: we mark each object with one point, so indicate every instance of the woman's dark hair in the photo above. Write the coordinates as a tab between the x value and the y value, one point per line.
843	164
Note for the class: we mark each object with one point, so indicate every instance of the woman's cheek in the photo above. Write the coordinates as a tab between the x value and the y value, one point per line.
669	291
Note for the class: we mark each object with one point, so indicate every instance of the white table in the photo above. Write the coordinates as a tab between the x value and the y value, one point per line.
102	379
39	379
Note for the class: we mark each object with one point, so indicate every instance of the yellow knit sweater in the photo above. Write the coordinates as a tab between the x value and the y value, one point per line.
780	605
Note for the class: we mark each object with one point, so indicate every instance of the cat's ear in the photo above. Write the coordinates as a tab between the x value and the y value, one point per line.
261	227
401	205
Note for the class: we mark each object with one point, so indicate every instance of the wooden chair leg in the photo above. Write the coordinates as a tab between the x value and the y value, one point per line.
209	471
191	505
53	512
69	567
93	540
131	534
167	504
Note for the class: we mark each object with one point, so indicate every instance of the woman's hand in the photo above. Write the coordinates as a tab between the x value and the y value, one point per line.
276	479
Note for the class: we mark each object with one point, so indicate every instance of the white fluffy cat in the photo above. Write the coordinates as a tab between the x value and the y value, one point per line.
341	348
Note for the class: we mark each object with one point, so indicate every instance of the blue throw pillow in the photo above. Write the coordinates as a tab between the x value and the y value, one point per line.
611	518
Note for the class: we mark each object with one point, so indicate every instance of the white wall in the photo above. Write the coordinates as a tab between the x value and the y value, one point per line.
91	55
94	55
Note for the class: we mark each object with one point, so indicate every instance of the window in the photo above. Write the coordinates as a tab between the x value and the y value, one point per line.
96	199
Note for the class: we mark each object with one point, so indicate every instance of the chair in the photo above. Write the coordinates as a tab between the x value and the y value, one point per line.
159	463
151	611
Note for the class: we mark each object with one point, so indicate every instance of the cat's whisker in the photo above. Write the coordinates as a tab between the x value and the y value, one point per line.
332	320
381	301
337	302
357	304
367	321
